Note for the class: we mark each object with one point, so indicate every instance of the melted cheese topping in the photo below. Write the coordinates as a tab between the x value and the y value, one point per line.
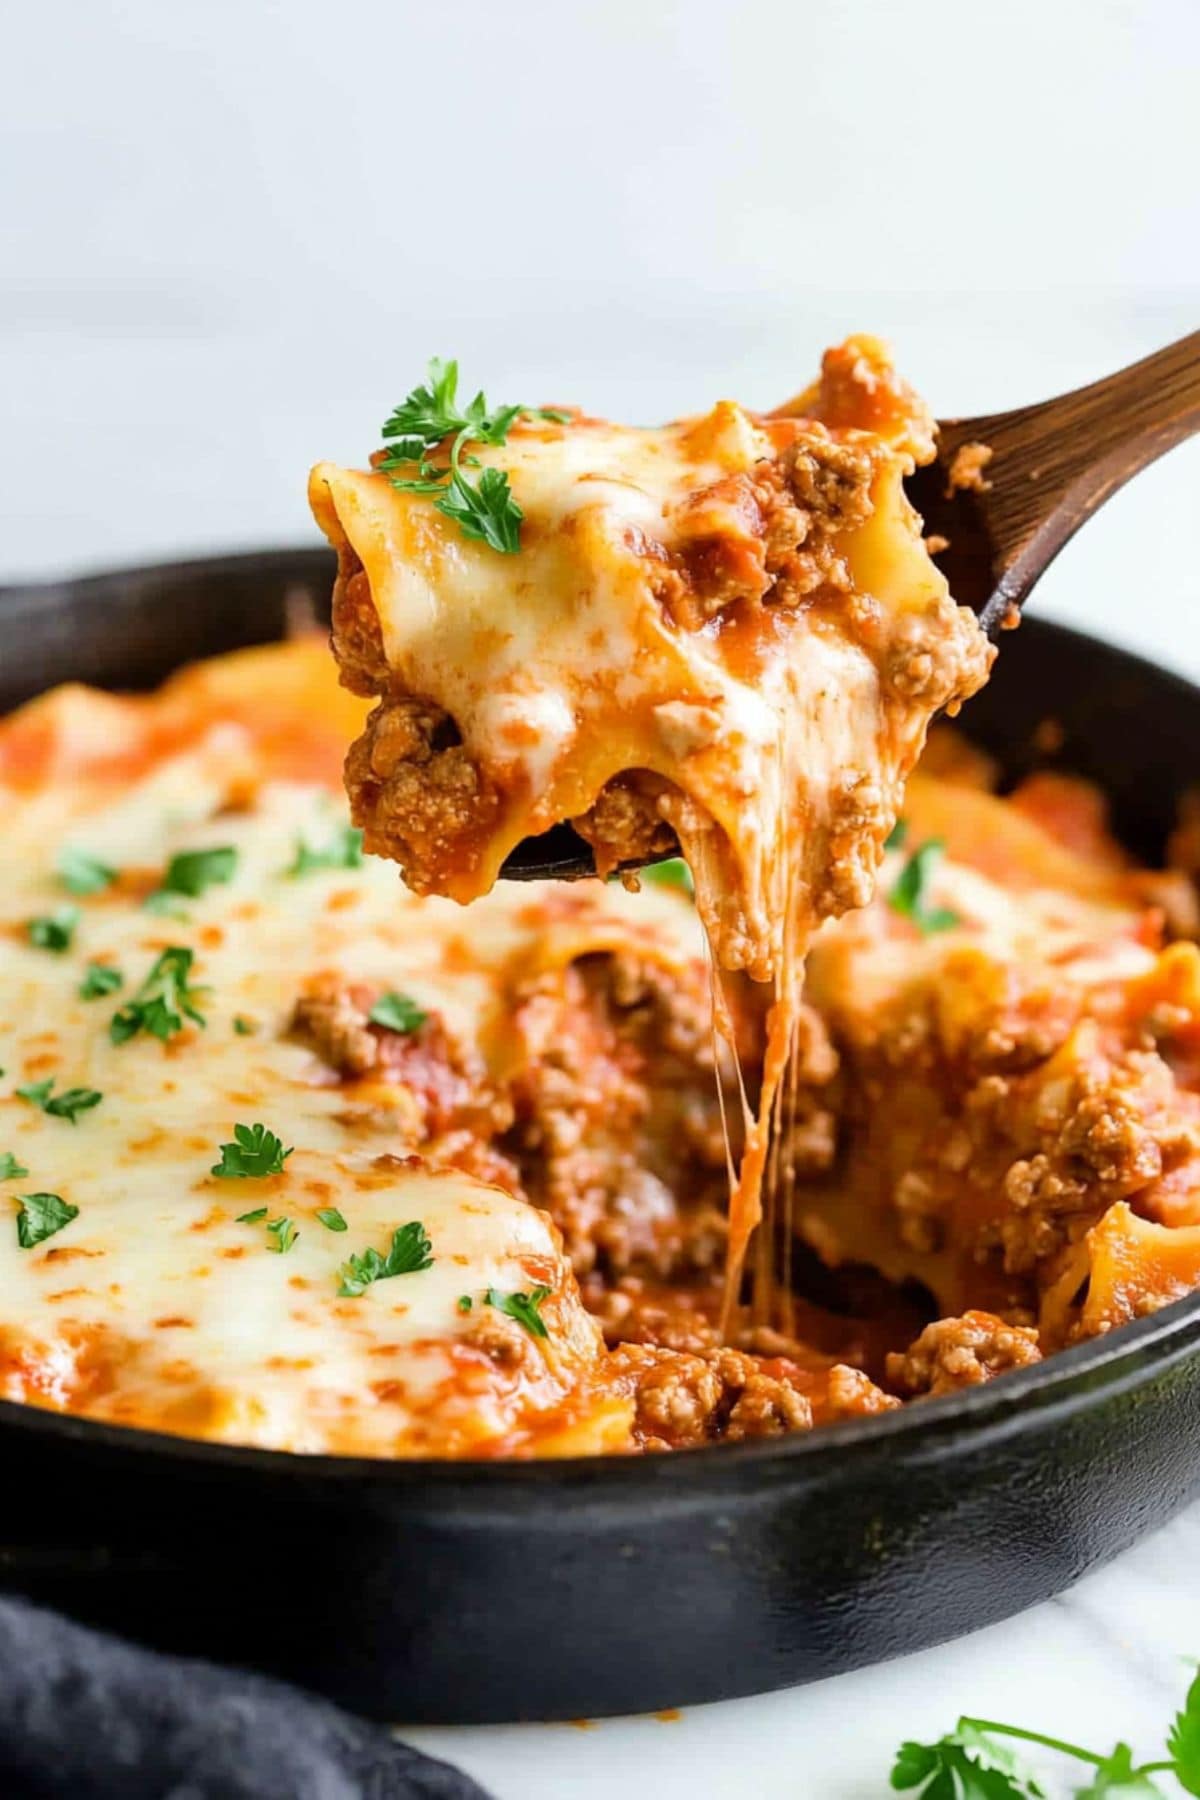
156	1305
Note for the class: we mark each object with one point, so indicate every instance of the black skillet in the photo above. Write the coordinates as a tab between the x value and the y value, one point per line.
472	1592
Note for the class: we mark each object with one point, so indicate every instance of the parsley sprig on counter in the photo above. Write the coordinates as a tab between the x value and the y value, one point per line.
910	893
409	1253
484	508
40	1216
162	1002
255	1152
67	1105
969	1764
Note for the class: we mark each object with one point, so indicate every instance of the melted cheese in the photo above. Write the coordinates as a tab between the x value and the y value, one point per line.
155	1305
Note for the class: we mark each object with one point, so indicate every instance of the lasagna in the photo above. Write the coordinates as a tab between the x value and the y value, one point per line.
292	1156
725	635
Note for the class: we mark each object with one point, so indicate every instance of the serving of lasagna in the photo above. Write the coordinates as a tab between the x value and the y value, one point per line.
298	1156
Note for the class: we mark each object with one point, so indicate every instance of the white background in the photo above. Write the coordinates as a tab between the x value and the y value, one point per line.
231	233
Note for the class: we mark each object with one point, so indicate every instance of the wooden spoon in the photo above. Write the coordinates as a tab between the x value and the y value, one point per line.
1005	494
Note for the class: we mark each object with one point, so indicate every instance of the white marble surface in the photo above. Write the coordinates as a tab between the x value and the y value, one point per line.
224	254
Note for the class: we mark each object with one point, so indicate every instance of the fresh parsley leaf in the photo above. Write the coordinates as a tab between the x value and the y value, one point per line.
410	1252
192	872
54	931
99	979
331	1218
285	1234
910	892
244	1027
1184	1741
83	874
396	1012
251	1218
256	1152
1117	1779
10	1168
963	1765
672	873
465	1303
67	1105
897	836
522	1307
162	1001
343	851
486	509
41	1215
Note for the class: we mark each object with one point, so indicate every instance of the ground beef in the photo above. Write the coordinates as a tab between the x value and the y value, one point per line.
960	1353
965	473
685	1400
625	825
357	635
417	794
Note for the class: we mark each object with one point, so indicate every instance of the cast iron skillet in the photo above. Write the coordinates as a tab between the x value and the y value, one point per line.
456	1592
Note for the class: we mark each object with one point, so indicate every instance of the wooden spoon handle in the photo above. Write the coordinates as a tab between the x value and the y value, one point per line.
1053	464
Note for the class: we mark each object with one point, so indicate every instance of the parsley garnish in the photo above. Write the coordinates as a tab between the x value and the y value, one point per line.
896	837
99	979
465	1303
251	1218
484	509
522	1307
10	1168
83	874
54	931
244	1027
910	894
162	1001
672	873
344	851
41	1215
410	1252
191	873
285	1234
255	1153
968	1764
396	1012
66	1105
331	1218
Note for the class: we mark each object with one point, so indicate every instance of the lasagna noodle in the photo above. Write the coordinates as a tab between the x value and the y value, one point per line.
728	627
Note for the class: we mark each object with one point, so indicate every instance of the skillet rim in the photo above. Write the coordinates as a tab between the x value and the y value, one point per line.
1101	1366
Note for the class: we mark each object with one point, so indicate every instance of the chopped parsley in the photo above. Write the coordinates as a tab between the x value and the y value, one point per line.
285	1234
162	1002
483	507
910	892
343	851
465	1303
410	1252
99	979
41	1215
672	873
191	873
251	1218
969	1764
244	1027
10	1168
524	1308
396	1012
254	1153
83	874
67	1105
897	836
331	1218
54	931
